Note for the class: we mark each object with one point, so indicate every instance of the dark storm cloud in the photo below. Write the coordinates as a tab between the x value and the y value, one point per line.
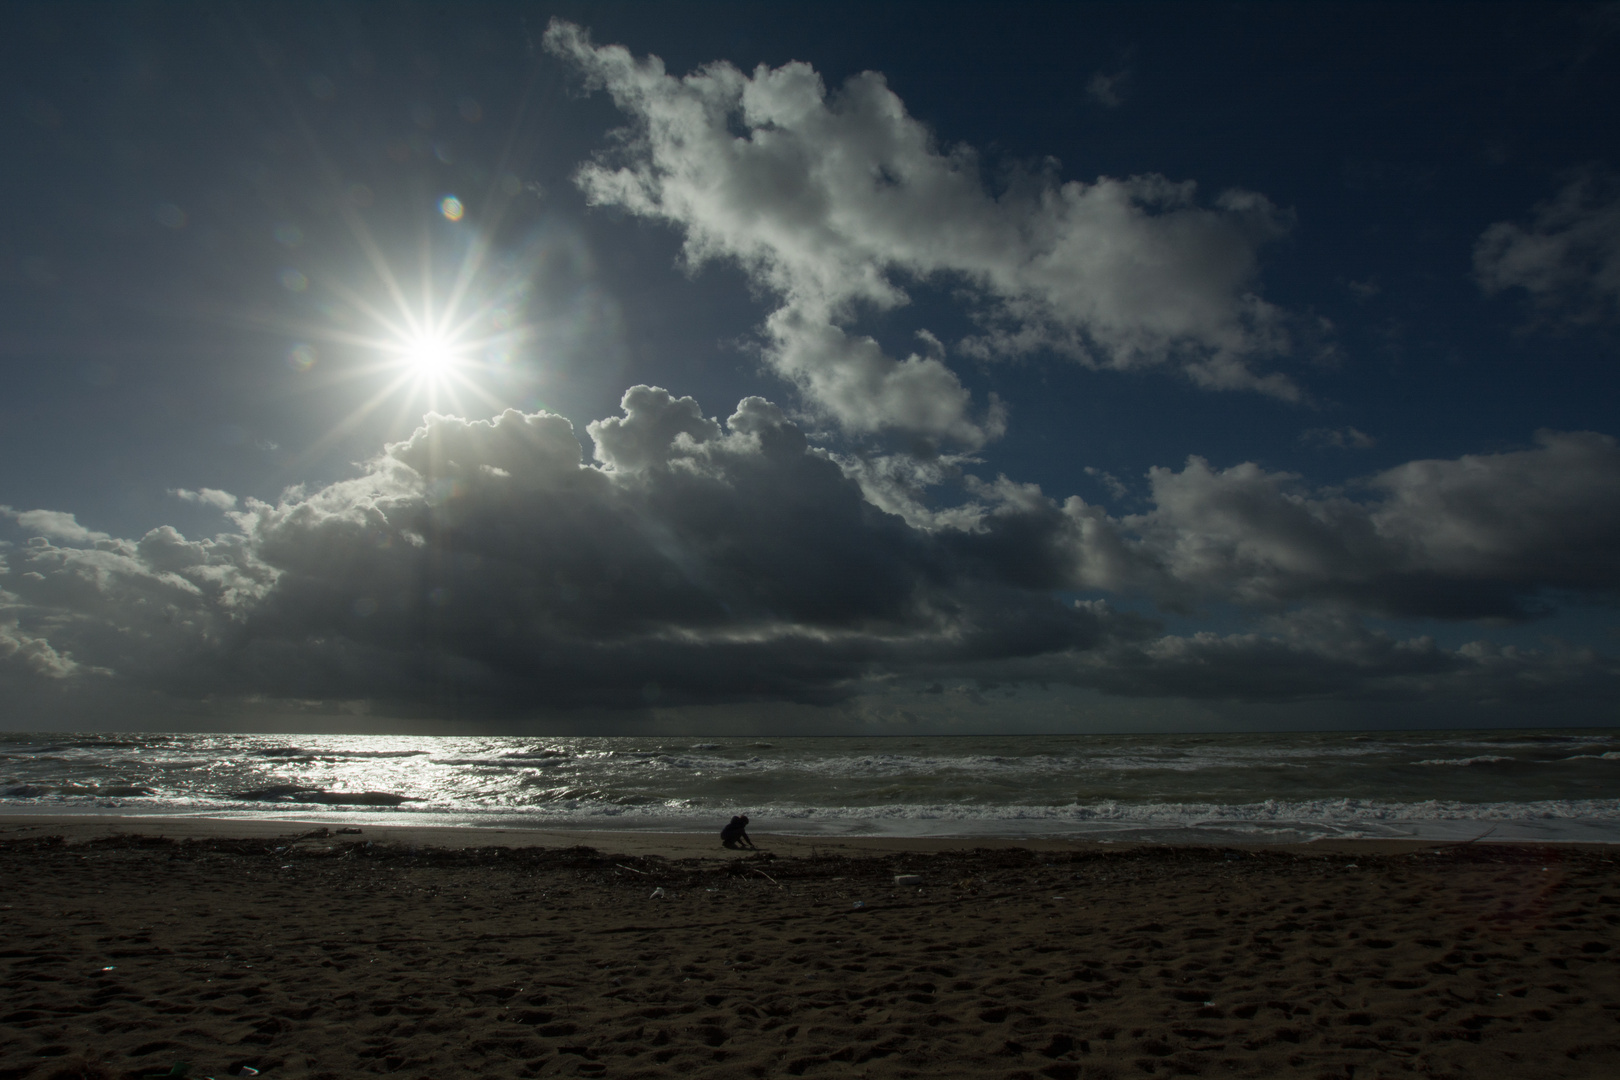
1319	657
482	561
1480	536
1307	657
483	564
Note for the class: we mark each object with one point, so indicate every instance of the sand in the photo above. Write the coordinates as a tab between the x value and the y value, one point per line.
337	955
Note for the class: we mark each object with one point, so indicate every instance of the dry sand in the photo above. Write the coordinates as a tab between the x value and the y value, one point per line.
327	957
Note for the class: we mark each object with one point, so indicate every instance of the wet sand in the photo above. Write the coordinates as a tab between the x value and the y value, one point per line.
329	956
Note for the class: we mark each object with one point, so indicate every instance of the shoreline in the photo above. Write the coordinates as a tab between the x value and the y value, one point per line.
1242	790
85	828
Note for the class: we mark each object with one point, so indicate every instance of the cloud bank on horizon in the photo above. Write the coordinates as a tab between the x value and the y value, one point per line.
845	544
694	563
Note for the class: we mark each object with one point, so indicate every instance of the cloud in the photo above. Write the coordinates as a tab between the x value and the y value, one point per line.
53	523
220	500
1567	258
900	484
1347	438
1108	87
1312	657
487	568
35	654
1365	290
89	603
1481	536
1108	480
832	201
1300	658
484	562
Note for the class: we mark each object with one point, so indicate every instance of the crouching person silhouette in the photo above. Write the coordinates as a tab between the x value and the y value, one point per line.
735	835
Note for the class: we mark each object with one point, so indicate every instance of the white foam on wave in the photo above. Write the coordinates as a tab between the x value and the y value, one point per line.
1131	758
505	761
1272	820
340	754
1057	786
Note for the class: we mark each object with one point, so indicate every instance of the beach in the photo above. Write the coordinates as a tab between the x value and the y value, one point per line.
133	947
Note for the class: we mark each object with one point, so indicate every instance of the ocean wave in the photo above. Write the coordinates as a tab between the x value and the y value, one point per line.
105	791
580	806
1523	742
93	791
1266	820
961	786
320	797
337	755
504	761
1080	764
1269	811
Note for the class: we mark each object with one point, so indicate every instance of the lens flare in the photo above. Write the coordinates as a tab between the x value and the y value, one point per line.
451	208
302	357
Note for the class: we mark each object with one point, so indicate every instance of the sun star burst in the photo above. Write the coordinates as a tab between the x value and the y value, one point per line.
430	357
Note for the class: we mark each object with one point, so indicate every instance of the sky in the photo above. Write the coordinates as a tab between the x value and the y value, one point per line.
812	369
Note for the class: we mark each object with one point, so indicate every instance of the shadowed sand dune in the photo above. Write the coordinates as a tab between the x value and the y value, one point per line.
327	957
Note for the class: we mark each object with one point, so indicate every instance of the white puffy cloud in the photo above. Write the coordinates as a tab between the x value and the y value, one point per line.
830	200
653	423
900	484
53	523
219	500
80	602
35	654
1567	258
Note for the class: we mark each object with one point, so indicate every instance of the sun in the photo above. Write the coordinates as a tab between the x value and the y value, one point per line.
429	356
441	348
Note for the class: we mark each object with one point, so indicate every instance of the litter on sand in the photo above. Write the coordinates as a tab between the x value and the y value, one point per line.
908	879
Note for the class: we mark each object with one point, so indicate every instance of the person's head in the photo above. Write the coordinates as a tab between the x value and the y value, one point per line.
743	818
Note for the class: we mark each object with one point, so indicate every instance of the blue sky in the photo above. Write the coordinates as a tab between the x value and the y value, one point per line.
742	367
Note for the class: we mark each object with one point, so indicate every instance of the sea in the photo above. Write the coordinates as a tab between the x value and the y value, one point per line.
1488	786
